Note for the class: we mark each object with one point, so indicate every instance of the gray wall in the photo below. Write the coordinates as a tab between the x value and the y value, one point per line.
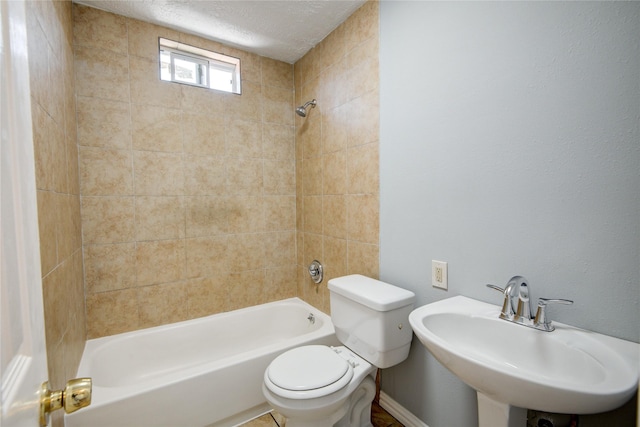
509	145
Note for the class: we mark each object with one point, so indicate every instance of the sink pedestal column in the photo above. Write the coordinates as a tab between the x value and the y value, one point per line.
492	413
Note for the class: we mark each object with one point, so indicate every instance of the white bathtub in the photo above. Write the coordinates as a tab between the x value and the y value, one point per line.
201	372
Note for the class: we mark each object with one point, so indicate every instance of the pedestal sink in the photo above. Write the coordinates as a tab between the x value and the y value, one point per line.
512	367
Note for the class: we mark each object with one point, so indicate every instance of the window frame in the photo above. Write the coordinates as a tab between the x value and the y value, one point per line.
173	55
213	60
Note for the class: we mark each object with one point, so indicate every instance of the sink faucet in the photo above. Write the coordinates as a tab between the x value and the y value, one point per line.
516	294
523	311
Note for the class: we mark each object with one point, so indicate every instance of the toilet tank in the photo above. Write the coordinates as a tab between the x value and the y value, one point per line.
372	318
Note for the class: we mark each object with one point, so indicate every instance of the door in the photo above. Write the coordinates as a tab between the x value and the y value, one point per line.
23	364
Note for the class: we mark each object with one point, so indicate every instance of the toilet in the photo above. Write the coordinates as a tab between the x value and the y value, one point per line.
321	386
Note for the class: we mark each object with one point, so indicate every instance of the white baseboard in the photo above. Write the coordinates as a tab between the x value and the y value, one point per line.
399	412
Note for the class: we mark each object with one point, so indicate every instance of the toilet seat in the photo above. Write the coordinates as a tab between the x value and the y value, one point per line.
308	372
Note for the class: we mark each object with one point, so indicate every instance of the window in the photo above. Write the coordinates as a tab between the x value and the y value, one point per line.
190	65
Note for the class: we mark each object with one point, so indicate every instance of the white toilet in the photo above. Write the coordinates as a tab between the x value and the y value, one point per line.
316	385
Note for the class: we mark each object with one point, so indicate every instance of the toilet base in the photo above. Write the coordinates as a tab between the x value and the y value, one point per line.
354	412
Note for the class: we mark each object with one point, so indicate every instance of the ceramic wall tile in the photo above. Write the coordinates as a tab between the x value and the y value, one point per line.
278	141
312	176
309	135
246	252
362	25
110	313
207	295
158	174
334	85
248	105
156	128
50	151
207	256
245	214
109	267
280	283
332	48
313	214
216	192
51	74
363	218
364	119
108	219
363	169
245	288
98	29
196	159
69	228
277	105
337	167
57	307
279	177
160	261
207	215
165	303
143	37
204	134
204	175
103	123
334	216
334	172
47	225
279	249
335	127
245	176
56	79
38	46
280	213
196	100
243	138
105	172
147	88
101	73
363	258
335	259
160	217
276	73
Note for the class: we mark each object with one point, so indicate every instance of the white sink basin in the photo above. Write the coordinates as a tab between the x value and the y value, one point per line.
569	370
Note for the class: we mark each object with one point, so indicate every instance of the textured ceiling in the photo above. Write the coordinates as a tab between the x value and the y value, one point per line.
283	30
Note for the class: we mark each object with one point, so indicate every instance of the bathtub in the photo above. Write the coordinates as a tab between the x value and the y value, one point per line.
196	373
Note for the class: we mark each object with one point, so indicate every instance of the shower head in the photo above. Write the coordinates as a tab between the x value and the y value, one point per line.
302	110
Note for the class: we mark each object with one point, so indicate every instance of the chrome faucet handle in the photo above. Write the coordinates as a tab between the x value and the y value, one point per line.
541	321
497	288
507	311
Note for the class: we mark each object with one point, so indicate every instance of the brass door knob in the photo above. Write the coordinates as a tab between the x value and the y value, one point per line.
76	395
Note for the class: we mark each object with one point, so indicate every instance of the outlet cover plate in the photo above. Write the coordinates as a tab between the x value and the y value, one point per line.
439	275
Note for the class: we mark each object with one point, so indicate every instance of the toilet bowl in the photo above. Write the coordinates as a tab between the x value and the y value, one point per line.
320	386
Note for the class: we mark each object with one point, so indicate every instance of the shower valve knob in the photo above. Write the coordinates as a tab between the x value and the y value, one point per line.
315	271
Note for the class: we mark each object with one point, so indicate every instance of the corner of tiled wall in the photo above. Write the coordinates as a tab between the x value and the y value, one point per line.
188	194
49	35
337	172
164	241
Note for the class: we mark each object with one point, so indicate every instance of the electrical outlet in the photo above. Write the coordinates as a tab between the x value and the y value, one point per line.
439	274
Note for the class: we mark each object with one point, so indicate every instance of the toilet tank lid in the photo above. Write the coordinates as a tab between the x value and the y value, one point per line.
377	295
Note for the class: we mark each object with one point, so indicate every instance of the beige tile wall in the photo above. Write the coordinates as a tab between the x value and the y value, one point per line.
188	194
337	173
49	35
